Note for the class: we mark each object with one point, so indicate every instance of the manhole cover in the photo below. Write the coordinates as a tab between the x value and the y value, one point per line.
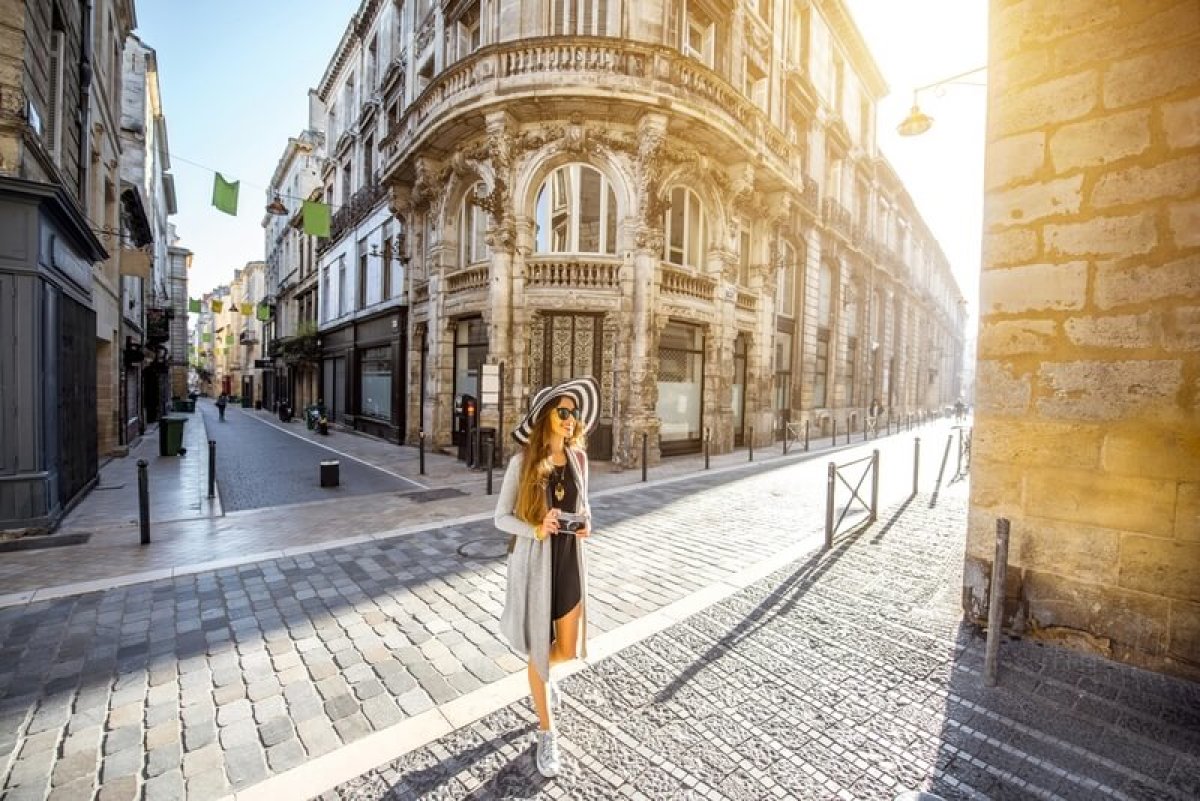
48	541
425	496
490	548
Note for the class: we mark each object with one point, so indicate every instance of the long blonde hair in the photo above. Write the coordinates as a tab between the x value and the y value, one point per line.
535	469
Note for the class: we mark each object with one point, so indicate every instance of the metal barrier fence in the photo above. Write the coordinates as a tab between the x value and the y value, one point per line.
838	473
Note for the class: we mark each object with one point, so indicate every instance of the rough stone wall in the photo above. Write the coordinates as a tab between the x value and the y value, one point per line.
1088	419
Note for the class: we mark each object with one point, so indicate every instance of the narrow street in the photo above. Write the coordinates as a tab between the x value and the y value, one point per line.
259	465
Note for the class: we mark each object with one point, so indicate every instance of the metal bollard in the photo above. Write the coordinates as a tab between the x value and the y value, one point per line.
958	464
212	468
833	442
645	453
752	443
785	439
421	446
996	603
806	436
874	485
487	455
143	501
829	495
707	438
916	464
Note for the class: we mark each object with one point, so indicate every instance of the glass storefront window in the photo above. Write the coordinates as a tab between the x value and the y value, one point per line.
470	350
375	383
680	382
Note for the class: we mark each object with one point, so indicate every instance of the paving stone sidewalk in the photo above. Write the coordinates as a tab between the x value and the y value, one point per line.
211	682
845	675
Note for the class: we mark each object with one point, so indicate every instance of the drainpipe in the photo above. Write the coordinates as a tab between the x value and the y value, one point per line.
85	94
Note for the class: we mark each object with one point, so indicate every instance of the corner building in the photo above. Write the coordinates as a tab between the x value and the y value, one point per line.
681	198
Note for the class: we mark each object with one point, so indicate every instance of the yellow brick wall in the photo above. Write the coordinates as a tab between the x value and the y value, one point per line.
1088	420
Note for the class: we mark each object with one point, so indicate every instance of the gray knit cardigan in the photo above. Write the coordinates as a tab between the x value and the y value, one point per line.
525	622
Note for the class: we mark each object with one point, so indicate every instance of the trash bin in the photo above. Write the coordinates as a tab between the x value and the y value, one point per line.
487	434
170	435
330	473
188	406
247	402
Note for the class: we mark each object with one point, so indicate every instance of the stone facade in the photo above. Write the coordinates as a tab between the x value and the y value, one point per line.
291	273
1087	435
681	197
48	319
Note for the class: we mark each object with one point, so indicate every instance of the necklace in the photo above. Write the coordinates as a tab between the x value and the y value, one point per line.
560	475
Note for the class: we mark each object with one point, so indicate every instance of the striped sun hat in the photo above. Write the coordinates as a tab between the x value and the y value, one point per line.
584	391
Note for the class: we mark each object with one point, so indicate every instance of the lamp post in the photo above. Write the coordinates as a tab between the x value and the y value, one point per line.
918	122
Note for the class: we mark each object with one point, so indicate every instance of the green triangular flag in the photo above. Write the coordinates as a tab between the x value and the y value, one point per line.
316	218
229	339
193	306
206	337
225	194
264	312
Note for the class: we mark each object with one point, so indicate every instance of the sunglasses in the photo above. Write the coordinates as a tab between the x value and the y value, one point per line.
563	413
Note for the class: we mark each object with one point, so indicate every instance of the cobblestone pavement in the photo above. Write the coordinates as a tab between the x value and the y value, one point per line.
844	675
213	681
184	546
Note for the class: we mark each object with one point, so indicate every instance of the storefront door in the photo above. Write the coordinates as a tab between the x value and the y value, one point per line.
680	388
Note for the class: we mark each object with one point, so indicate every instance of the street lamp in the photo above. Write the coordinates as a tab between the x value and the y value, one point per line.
276	207
918	122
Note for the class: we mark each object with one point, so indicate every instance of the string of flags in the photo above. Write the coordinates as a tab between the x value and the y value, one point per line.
261	312
315	215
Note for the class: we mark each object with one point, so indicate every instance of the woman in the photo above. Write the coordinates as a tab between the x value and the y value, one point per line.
545	486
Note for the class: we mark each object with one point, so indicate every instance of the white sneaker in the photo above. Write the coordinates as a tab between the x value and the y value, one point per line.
553	696
548	760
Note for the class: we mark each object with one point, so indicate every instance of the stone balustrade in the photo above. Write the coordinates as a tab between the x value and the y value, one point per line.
591	60
679	282
573	273
473	277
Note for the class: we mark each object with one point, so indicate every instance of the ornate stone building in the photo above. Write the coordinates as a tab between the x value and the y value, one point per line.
682	198
1087	430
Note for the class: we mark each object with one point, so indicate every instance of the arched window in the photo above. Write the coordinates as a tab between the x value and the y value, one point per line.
472	230
576	212
684	229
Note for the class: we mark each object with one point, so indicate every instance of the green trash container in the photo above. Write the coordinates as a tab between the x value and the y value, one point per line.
188	406
170	435
246	402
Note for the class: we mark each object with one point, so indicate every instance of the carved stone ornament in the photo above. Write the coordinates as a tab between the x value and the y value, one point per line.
430	183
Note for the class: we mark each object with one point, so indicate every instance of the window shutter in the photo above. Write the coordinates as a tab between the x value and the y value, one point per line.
53	131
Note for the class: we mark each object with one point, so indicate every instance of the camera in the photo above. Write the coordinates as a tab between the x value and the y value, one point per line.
571	522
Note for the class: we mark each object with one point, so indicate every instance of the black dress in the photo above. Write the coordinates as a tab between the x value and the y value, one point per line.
565	591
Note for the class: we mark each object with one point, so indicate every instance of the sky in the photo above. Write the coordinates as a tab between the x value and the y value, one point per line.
235	77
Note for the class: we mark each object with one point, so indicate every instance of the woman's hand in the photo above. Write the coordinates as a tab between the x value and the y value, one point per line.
549	525
583	533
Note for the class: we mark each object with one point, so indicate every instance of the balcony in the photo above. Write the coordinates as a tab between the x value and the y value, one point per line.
837	217
471	278
573	273
248	338
810	197
352	211
676	281
514	68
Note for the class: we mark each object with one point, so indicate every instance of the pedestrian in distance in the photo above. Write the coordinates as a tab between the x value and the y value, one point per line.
543	505
222	402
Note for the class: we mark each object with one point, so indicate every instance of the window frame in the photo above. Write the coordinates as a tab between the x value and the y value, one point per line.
565	184
692	210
